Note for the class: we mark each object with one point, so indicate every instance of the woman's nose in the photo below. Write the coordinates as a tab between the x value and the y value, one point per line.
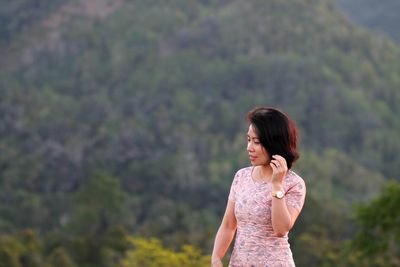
249	147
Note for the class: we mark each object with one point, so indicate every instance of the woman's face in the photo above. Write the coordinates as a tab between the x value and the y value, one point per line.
257	153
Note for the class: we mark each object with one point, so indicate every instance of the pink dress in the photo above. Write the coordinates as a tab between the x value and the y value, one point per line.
256	245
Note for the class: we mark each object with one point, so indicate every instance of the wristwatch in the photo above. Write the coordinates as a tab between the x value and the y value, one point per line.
278	194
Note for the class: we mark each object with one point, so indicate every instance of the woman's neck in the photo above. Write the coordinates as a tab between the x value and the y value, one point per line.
264	173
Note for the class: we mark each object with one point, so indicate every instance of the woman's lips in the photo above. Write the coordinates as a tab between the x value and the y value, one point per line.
252	158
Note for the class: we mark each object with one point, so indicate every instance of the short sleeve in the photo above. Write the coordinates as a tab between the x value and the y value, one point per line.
234	187
296	194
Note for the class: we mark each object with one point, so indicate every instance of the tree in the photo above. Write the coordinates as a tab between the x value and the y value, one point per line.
379	236
99	204
150	253
60	258
96	224
8	258
22	249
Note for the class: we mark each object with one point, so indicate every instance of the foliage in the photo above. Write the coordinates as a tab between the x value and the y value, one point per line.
151	253
136	122
378	238
99	204
22	249
59	258
17	15
380	17
114	249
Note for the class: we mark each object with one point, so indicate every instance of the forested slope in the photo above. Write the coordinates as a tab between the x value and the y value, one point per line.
135	119
16	16
382	17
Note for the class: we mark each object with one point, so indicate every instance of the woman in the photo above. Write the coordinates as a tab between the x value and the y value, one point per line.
266	198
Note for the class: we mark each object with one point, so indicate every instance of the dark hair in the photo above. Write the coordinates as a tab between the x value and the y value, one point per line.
276	131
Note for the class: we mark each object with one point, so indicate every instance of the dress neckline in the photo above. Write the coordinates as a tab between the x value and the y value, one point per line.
254	181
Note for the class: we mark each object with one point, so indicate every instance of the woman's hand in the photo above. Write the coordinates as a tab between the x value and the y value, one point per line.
217	263
279	169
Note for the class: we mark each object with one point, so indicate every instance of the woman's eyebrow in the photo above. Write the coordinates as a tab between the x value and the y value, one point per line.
252	137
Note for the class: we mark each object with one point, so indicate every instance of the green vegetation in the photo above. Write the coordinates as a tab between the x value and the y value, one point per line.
150	253
15	16
381	17
130	127
378	239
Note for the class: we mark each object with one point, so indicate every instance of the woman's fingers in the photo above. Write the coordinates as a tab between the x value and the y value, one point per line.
279	168
279	161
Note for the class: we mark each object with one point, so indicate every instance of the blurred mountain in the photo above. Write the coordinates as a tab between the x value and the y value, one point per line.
154	93
15	16
382	17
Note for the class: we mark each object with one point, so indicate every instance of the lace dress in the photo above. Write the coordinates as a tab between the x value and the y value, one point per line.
256	245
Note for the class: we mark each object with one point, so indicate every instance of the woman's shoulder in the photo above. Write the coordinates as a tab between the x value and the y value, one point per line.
292	178
244	171
242	174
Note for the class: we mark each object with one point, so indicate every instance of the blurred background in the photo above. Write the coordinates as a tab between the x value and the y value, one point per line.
122	124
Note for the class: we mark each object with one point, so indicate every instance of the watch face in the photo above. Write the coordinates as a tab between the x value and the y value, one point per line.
279	194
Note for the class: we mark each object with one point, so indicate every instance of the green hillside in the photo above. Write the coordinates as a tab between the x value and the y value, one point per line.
133	122
15	16
382	17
